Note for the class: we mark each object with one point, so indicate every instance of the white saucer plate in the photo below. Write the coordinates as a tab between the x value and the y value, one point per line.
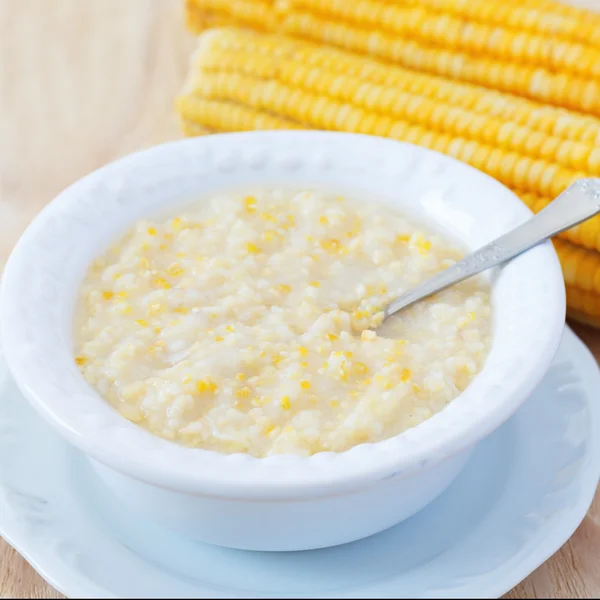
524	491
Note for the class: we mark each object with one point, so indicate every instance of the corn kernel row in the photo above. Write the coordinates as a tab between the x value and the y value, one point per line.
548	18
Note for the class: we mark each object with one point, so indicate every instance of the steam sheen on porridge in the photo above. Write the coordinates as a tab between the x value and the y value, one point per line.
242	324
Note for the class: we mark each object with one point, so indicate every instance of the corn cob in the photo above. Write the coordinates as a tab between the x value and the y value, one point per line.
581	267
581	270
435	115
229	47
583	306
547	18
451	32
564	89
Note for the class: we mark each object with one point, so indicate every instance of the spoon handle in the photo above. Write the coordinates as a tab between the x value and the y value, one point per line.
577	203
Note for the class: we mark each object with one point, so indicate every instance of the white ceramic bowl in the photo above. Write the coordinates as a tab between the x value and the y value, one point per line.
281	502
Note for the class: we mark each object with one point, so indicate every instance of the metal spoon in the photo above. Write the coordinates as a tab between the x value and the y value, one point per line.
577	203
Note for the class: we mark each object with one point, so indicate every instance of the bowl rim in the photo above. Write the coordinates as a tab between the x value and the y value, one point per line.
104	435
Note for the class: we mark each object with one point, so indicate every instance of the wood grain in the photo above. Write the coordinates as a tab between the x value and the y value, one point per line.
83	82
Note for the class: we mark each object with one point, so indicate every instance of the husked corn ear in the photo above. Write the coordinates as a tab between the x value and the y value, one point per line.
227	116
258	14
270	56
583	306
448	31
581	267
436	115
548	18
568	89
586	234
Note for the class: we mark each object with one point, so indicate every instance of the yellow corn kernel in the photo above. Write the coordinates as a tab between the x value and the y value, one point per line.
206	385
332	337
162	246
268	217
284	288
424	246
285	403
348	354
182	310
405	374
268	429
229	329
175	270
243	392
331	245
107	295
176	223
334	404
323	220
250	204
252	248
303	364
151	231
157	330
219	338
142	322
303	350
161	282
360	368
315	284
240	376
403	239
305	385
81	360
277	359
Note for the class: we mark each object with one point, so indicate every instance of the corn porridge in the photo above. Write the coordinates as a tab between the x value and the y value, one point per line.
244	324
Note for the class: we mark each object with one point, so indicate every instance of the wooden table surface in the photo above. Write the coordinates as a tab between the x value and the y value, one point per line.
83	82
